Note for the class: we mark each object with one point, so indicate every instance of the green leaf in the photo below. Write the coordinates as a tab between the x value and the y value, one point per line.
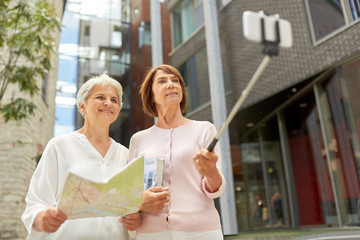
26	35
18	109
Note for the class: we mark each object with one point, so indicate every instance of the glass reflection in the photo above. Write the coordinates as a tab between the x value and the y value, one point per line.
254	181
275	181
310	169
340	150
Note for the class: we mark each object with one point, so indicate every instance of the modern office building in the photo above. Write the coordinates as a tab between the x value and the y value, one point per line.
295	141
112	37
95	40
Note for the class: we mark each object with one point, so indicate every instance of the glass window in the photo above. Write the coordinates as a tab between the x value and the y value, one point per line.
275	214
144	34
187	17
354	8
260	190
310	169
116	37
339	150
221	3
254	179
338	96
326	17
125	11
350	89
65	119
195	74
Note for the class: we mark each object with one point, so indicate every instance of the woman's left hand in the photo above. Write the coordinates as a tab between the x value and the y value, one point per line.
131	222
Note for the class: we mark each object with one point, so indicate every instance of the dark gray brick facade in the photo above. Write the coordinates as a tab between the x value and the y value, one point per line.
302	61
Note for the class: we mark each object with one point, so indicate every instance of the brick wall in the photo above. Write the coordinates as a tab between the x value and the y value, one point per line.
243	57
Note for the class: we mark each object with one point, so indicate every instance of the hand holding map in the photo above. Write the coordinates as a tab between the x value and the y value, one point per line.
120	196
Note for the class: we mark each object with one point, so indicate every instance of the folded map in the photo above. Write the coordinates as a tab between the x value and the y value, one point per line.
119	196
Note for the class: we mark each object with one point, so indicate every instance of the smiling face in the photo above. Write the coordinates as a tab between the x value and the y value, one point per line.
101	106
166	89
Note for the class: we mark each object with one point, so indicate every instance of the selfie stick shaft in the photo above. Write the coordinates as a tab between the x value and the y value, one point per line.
239	102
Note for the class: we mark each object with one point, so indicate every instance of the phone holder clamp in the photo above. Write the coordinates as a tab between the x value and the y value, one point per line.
271	48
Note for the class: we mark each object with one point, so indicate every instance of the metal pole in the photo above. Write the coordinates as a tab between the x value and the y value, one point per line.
156	35
156	39
218	107
242	98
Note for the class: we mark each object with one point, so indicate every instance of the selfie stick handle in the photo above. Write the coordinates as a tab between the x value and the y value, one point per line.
239	102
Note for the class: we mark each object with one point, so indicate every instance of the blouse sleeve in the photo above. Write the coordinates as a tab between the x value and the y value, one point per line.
42	189
132	148
208	138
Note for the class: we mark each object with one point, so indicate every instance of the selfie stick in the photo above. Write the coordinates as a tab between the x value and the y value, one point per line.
271	48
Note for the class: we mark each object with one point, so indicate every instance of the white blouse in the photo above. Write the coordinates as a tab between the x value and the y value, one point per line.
73	152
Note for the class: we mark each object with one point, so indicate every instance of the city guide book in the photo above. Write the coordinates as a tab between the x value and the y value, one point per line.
119	196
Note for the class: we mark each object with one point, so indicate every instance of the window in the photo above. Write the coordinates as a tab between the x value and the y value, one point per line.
328	17
87	31
196	77
186	18
116	37
144	34
222	3
109	54
354	6
112	60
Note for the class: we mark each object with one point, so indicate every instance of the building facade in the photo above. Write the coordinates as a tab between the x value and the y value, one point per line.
95	39
141	55
21	142
295	141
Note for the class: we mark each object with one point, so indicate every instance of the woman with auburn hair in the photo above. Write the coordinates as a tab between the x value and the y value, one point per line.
192	176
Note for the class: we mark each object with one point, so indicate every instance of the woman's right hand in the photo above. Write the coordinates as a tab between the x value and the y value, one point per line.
49	220
154	199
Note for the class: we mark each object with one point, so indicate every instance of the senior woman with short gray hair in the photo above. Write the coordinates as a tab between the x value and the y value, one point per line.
88	152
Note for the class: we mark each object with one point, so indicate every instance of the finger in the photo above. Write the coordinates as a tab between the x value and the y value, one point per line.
130	227
54	221
56	214
131	222
132	217
196	156
206	152
208	156
162	195
50	226
158	189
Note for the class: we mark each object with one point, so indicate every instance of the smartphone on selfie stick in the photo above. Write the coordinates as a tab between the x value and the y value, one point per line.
272	32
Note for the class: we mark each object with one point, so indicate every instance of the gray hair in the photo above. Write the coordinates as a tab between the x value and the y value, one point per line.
103	80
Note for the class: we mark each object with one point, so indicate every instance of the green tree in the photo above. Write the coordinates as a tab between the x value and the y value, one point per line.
27	30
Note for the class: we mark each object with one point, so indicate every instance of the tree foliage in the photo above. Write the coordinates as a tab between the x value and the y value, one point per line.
27	31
